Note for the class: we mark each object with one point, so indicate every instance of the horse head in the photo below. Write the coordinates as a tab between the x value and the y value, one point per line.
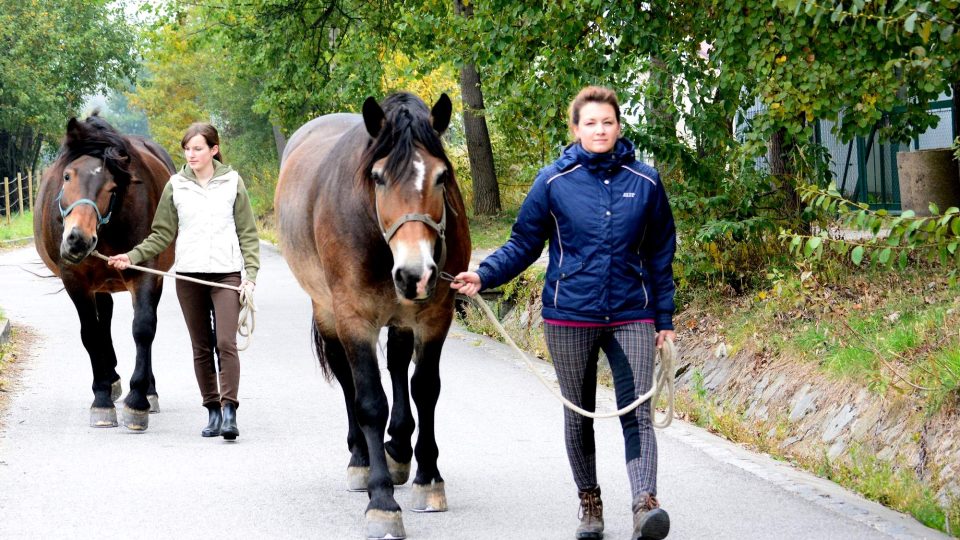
408	172
94	164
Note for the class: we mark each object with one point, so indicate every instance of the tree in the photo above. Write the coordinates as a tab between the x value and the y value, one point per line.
486	191
56	52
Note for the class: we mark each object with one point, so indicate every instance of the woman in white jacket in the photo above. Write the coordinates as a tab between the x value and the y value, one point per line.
205	206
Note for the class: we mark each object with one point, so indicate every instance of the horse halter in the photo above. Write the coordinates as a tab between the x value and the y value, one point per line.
101	219
439	228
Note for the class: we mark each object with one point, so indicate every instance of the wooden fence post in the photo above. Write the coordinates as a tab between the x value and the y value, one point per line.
20	191
6	198
30	187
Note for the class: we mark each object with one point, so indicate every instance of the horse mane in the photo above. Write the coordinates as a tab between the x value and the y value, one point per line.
95	137
406	122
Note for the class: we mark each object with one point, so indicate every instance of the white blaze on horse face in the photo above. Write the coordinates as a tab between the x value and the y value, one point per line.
421	169
426	256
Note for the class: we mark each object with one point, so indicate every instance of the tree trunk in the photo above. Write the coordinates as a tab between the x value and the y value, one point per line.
18	154
778	156
486	191
279	140
661	116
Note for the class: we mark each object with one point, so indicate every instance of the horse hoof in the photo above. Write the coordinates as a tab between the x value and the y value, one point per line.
116	390
154	401
382	525
103	417
358	478
399	472
429	498
135	420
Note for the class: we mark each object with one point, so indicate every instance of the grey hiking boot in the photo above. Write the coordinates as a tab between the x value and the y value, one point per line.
650	522
591	515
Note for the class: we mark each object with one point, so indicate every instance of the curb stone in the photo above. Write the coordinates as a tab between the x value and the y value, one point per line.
4	331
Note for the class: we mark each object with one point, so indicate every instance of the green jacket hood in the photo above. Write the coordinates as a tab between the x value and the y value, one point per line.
219	169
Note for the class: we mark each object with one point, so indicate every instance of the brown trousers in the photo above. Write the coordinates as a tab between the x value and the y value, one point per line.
211	314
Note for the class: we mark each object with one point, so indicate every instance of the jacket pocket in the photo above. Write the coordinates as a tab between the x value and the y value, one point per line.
560	273
635	266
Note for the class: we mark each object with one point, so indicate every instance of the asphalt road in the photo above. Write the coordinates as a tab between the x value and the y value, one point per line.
499	432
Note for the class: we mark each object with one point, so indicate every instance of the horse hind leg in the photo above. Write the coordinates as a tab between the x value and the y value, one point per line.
428	493
136	411
102	411
398	450
104	302
331	352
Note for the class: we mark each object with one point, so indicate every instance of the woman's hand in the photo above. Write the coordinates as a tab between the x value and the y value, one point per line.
467	283
120	262
665	335
248	285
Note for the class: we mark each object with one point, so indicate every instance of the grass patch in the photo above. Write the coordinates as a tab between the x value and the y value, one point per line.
876	327
488	232
20	227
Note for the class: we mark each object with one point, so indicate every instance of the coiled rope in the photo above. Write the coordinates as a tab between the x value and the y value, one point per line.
663	375
246	321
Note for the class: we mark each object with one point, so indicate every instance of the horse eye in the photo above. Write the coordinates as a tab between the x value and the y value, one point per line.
377	177
443	177
66	177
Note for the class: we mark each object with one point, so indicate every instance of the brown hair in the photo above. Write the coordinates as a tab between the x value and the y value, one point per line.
593	94
209	134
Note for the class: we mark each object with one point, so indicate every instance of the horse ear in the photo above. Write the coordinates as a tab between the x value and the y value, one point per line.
372	117
74	130
440	114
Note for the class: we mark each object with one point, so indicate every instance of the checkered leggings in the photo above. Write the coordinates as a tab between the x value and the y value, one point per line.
630	349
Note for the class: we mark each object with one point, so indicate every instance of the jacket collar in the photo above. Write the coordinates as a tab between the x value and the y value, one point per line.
219	169
623	153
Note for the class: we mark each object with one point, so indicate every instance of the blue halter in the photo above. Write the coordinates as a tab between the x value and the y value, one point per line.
101	219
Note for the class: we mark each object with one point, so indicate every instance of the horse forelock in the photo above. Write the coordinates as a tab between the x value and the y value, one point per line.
406	125
98	139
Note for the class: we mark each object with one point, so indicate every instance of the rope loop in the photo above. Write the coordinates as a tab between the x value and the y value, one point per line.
663	379
246	322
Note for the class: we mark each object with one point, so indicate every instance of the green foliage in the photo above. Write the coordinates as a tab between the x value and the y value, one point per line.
887	239
49	65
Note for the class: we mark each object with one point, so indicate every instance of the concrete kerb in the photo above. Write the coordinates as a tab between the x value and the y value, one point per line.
4	331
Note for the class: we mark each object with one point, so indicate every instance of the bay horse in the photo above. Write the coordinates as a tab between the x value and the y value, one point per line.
102	192
369	214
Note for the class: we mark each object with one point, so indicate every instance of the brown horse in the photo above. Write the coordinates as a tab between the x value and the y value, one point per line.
102	192
369	214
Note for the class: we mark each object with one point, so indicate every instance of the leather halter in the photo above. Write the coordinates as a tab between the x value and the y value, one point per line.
101	219
439	228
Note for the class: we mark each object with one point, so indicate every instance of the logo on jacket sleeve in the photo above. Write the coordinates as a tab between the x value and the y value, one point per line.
629	195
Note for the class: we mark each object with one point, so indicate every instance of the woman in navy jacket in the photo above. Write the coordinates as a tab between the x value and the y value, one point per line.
609	286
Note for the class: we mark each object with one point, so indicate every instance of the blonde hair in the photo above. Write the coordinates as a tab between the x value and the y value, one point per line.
593	94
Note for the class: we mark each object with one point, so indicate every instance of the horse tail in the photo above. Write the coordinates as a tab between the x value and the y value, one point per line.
319	348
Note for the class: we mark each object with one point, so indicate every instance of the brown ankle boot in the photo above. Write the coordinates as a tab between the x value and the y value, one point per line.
591	515
650	522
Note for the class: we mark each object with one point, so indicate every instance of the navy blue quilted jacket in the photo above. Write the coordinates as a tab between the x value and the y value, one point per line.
612	239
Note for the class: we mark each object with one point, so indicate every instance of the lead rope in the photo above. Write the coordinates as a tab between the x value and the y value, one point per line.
663	374
246	322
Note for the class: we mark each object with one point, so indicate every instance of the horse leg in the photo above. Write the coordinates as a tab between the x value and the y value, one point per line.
358	470
398	448
102	411
428	491
383	517
104	302
146	296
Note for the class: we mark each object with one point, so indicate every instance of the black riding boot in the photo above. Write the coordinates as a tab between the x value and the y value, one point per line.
213	426
229	429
